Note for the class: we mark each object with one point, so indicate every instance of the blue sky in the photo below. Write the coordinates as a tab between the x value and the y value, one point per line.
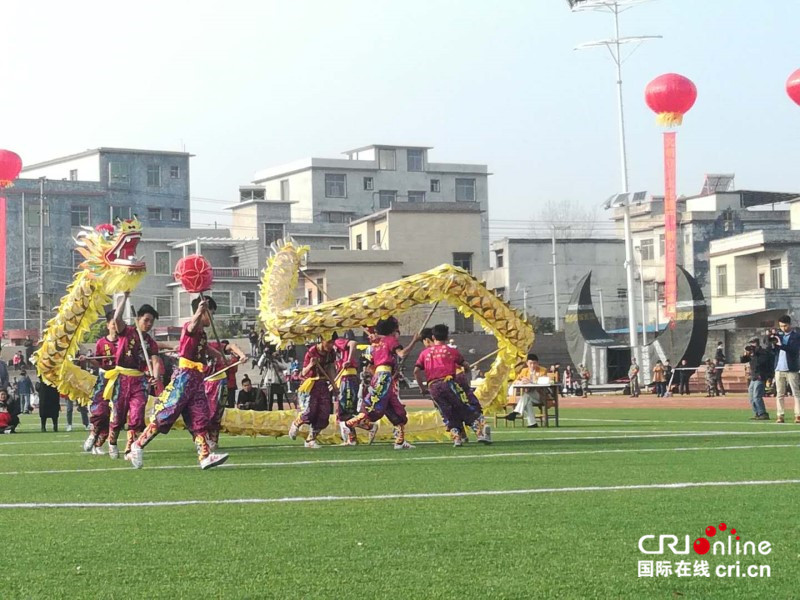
246	85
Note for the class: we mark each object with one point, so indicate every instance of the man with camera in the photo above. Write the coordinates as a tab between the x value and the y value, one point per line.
786	344
761	362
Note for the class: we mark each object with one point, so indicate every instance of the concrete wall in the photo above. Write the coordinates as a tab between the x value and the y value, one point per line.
88	168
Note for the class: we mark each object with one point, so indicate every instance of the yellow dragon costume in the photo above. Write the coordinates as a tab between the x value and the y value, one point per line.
110	267
287	323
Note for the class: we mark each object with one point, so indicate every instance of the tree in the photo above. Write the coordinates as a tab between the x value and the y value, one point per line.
571	220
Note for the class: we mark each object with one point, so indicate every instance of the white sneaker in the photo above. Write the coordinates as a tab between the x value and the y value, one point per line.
344	432
97	451
212	460
113	451
69	428
136	456
86	428
404	446
89	443
293	429
486	438
373	431
312	444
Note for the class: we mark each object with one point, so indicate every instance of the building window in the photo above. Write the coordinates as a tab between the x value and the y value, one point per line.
164	306
646	248
73	174
498	259
387	160
416	197
386	197
378	238
687	238
153	175
369	183
285	190
223	300
463	260
622	293
775	274
337	247
247	195
662	245
77	259
762	281
320	287
436	185
177	214
272	233
335	185
339	217
80	215
465	190
416	159
33	259
249	299
120	212
359	243
32	216
153	213
118	173
722	280
174	173
163	264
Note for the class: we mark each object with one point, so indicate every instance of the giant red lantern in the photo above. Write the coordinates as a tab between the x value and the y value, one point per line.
10	166
793	86
194	273
670	96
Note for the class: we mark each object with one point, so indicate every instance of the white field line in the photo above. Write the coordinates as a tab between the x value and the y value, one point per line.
350	461
412	496
746	422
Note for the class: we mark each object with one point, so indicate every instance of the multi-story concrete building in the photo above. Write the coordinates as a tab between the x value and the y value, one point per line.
330	193
52	200
523	274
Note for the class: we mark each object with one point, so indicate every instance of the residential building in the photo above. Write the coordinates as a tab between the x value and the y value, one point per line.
52	200
701	220
329	193
523	275
752	273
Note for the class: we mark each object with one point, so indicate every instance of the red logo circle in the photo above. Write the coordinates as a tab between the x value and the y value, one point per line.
702	545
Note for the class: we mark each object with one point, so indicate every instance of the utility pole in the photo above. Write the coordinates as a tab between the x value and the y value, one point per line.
555	282
24	269
41	256
615	7
525	302
655	297
644	310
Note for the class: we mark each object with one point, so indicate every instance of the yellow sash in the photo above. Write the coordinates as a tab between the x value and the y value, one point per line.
113	374
383	369
344	373
306	386
218	376
185	363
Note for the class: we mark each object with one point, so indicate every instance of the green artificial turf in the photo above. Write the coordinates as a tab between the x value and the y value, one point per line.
562	544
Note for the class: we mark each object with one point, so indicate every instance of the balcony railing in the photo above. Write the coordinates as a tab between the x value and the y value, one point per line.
234	273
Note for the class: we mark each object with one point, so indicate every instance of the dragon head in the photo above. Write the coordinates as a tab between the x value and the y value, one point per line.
110	253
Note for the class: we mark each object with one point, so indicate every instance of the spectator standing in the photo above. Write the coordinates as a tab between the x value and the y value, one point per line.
633	377
81	409
786	343
17	360
684	373
4	381
49	405
711	379
659	379
668	373
25	389
28	351
718	385
760	361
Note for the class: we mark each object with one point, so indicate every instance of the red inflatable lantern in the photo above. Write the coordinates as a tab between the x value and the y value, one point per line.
194	273
670	96
793	86
10	166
